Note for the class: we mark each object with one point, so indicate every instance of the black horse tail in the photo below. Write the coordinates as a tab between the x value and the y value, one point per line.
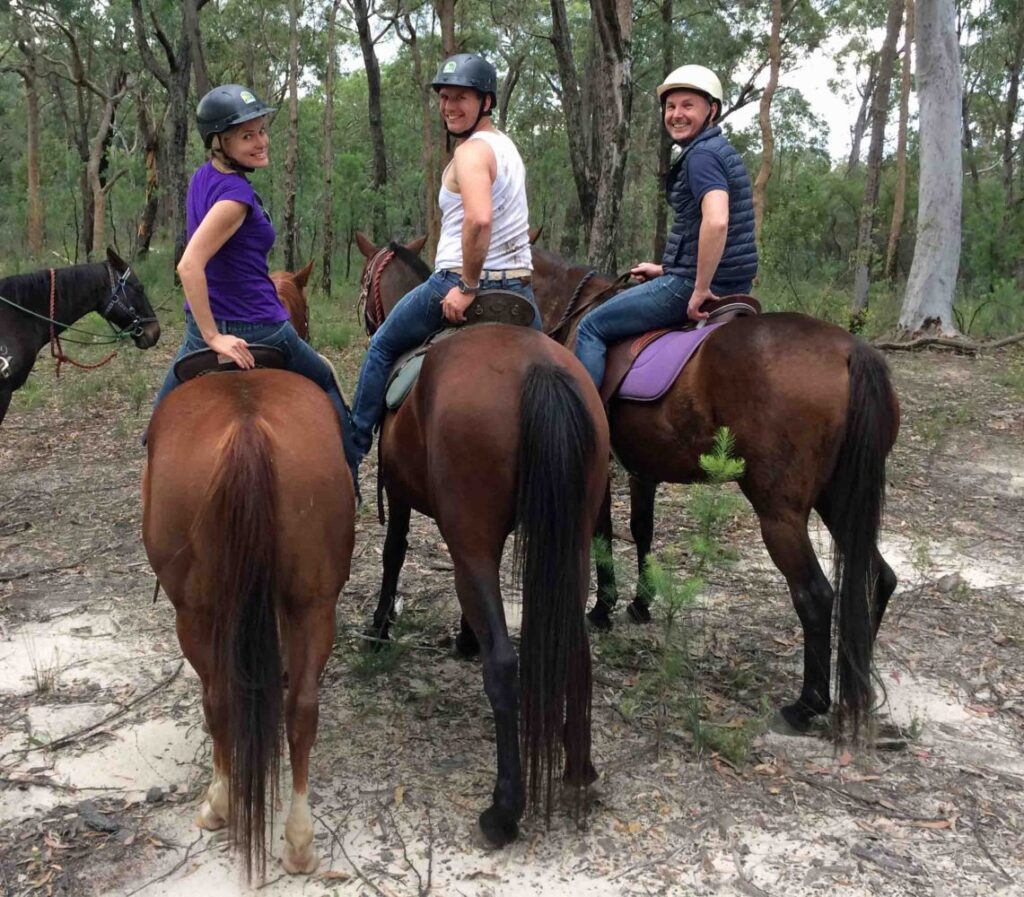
857	499
240	529
552	556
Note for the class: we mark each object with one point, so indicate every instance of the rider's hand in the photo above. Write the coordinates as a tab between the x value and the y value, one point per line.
454	305
234	348
697	299
646	271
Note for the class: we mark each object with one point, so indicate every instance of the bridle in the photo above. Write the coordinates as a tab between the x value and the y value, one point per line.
370	301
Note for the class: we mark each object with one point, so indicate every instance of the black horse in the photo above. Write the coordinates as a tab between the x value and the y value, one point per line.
36	308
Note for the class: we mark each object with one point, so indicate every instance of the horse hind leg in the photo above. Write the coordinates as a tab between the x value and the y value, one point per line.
395	545
790	548
309	646
5	401
599	615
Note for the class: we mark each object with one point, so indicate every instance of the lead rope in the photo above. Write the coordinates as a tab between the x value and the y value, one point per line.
56	349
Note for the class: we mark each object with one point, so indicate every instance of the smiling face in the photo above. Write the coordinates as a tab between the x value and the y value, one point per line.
248	143
686	112
460	107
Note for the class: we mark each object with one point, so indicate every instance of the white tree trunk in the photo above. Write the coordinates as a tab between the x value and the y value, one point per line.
928	303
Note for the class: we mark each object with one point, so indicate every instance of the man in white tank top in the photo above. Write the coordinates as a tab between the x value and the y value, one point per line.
484	242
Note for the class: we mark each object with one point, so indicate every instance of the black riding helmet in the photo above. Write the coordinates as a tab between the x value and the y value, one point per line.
475	72
226	106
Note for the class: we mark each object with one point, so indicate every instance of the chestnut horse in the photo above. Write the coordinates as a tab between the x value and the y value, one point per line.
248	513
291	290
503	430
814	415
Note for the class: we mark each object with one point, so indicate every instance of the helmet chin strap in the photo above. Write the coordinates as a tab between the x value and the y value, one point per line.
221	154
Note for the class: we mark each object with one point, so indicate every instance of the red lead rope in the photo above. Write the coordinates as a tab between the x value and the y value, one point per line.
56	349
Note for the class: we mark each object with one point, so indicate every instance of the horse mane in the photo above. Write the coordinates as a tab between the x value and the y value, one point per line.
33	288
410	259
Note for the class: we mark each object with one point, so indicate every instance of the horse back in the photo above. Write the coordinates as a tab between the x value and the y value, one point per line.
314	500
779	382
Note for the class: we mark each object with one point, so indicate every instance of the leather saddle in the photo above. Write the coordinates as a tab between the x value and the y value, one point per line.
490	307
622	354
206	361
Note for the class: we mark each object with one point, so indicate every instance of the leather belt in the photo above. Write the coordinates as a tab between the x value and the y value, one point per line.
511	274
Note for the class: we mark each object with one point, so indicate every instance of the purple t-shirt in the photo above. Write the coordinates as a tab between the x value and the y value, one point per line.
237	277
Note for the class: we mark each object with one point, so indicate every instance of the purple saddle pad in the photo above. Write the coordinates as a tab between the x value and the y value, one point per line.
658	365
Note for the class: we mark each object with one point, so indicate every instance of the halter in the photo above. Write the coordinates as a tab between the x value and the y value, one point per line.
369	289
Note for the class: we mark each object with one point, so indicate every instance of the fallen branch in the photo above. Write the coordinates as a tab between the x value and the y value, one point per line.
963	345
65	740
11	575
359	872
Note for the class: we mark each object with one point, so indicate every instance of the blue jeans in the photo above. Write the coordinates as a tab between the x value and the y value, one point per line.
416	316
660	302
299	357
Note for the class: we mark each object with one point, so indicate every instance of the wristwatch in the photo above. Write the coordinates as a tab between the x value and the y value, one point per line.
466	288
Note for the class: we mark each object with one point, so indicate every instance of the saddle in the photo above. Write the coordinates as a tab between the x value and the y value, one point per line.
490	307
206	361
623	354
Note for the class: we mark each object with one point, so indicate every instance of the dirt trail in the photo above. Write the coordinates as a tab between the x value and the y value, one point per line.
103	755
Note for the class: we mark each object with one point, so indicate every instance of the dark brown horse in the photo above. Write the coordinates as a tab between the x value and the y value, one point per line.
37	308
291	290
503	431
814	416
248	514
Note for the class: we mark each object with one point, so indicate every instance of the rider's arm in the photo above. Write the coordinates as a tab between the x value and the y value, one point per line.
714	226
476	170
216	228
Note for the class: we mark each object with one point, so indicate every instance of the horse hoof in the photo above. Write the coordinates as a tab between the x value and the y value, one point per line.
791	720
572	779
638	612
375	641
209	819
497	827
299	862
466	646
599	618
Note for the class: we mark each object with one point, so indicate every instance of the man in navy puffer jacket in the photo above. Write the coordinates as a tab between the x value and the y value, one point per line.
710	251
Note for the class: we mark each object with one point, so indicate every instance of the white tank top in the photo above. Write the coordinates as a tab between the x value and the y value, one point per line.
510	218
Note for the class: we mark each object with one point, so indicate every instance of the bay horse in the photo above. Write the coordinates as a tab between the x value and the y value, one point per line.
37	308
248	521
814	415
291	290
503	431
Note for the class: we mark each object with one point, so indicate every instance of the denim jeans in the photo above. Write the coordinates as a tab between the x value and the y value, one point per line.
660	302
416	316
299	357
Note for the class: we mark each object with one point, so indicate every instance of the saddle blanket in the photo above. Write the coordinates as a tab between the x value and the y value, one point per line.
660	362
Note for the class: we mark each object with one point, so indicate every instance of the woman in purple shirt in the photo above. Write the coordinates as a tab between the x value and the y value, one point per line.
231	300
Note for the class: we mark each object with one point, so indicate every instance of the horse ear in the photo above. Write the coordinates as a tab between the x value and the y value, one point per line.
416	246
535	233
302	275
116	262
366	247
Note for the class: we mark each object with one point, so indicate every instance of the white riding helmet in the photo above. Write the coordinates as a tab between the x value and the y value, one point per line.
693	77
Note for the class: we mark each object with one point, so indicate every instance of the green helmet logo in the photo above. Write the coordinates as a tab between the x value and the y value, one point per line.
246	97
450	66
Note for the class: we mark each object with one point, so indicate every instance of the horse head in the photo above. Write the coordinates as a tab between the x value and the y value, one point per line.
291	290
127	307
389	272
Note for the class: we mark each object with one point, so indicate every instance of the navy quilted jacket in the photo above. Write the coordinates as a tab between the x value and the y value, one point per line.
738	265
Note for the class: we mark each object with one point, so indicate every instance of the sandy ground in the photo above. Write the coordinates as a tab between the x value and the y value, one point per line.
103	756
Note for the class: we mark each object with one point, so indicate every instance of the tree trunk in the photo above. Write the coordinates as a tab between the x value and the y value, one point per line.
445	10
1014	63
879	114
328	155
151	142
900	196
972	162
928	303
664	141
765	118
29	73
292	154
97	162
379	175
861	123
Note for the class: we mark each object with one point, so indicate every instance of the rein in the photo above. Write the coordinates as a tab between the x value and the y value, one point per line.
56	349
369	289
571	309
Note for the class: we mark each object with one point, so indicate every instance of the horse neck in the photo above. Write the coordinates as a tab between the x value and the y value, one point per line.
80	290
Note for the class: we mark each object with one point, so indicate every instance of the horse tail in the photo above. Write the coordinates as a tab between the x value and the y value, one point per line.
552	557
857	499
240	529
